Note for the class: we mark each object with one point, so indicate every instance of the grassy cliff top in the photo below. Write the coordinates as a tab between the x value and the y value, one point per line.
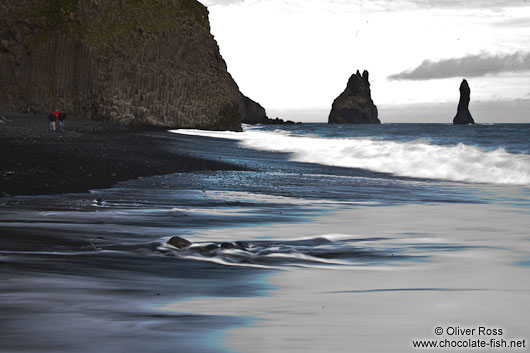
106	21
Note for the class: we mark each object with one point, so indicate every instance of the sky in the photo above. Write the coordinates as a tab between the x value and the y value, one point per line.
294	57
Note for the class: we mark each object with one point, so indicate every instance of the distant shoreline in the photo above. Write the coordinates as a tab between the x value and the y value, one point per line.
88	155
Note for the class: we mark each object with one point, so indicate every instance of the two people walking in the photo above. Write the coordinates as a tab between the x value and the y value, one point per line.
56	120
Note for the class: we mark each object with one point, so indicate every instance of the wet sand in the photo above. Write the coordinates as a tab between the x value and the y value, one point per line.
457	274
340	259
87	155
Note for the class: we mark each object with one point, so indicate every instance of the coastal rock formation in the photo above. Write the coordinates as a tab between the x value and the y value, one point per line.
355	105
129	61
278	121
463	116
253	113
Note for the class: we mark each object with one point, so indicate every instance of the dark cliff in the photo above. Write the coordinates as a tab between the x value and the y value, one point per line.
463	116
355	105
130	61
252	112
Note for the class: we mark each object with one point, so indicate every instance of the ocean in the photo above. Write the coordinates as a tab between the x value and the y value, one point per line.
333	238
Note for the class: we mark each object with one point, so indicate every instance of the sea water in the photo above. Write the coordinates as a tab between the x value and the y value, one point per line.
355	238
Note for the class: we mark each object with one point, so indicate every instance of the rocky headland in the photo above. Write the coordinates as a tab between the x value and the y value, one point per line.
129	61
463	116
254	113
355	104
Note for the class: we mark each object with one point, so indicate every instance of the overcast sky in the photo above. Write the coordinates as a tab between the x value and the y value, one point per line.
295	56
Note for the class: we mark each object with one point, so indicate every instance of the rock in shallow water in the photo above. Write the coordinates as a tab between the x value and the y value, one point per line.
179	242
227	246
89	247
243	245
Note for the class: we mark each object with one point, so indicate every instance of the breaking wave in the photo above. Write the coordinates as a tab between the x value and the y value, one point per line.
417	159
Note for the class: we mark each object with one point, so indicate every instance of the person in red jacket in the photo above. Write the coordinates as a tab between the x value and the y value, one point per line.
56	113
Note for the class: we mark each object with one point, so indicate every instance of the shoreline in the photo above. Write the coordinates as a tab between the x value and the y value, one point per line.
87	155
292	256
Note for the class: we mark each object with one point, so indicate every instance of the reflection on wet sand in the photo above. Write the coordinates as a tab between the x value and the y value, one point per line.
284	257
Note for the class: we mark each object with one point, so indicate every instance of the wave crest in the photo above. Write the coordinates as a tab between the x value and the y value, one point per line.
417	159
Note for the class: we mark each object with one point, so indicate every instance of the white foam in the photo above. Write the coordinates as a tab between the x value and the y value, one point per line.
418	159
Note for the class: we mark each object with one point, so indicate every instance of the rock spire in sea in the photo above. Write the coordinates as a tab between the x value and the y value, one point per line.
355	104
463	116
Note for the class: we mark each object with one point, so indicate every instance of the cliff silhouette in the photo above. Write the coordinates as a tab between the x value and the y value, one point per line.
149	62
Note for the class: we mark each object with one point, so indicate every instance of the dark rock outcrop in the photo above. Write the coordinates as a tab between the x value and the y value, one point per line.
129	61
355	105
253	113
179	243
278	121
227	246
463	116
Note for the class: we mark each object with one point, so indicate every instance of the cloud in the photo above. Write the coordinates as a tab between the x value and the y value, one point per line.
514	23
392	5
220	2
468	66
461	4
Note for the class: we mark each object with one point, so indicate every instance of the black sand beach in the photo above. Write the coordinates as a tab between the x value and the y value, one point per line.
87	155
287	255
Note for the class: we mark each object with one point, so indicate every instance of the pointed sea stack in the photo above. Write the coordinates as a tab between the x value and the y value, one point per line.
355	105
463	116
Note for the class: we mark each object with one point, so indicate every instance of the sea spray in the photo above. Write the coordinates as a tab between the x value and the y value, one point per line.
417	159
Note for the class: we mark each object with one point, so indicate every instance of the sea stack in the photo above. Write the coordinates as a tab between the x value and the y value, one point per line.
355	105
127	61
463	116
